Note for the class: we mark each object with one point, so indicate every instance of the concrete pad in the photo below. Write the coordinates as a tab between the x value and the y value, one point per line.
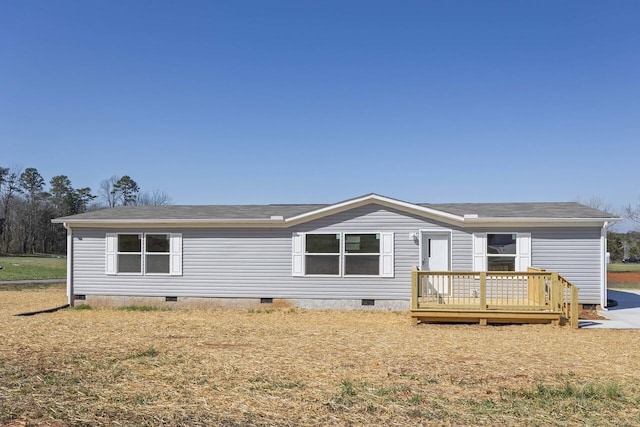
625	315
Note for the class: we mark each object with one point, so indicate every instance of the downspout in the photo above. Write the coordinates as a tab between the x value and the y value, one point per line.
69	264
603	266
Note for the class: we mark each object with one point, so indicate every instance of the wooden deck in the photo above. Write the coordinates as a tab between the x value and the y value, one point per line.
535	296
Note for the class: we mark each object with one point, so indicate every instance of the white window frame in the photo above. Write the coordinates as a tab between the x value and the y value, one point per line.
112	253
141	253
345	255
514	255
522	257
146	254
386	254
338	254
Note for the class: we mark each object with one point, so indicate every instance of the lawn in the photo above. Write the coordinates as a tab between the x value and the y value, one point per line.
281	367
624	276
620	267
32	267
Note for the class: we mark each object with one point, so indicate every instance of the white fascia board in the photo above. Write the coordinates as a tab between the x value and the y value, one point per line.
537	222
182	223
381	200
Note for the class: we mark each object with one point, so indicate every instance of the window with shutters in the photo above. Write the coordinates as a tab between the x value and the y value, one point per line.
144	253
342	254
501	251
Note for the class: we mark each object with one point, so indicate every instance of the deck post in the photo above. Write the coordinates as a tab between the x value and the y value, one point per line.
574	308
556	293
483	290
414	288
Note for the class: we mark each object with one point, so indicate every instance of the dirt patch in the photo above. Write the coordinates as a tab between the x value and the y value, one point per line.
628	277
590	315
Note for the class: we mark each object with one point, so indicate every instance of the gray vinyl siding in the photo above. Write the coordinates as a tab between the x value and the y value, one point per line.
256	262
249	262
575	254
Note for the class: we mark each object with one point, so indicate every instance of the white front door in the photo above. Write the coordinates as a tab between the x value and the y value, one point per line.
435	256
434	251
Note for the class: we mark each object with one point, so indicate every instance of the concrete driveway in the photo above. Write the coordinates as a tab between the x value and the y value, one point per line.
625	315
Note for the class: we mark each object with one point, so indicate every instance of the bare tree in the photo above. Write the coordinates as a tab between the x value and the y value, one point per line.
154	198
632	213
107	193
599	203
124	191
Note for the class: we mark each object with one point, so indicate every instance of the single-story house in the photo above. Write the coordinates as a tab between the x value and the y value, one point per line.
343	255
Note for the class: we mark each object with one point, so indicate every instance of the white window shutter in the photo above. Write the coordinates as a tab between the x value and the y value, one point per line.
386	255
297	254
111	243
523	241
479	251
175	254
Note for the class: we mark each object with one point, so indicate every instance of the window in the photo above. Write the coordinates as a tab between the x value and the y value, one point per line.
129	253
501	251
362	254
322	254
157	254
142	254
342	254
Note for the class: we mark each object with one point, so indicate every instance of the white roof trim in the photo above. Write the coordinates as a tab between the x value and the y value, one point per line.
374	198
189	223
536	222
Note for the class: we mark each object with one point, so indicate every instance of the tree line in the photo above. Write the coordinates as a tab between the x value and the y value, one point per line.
623	245
28	203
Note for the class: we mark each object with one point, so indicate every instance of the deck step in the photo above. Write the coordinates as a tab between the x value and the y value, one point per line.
484	317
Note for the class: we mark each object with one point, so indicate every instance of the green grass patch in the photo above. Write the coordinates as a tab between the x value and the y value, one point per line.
32	267
25	287
570	391
620	267
617	285
149	352
82	307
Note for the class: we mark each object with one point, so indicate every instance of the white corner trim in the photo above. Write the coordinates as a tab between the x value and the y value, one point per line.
70	291
603	266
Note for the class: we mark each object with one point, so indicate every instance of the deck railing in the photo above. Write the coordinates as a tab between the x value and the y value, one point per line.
533	290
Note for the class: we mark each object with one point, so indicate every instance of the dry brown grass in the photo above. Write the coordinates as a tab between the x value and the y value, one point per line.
303	367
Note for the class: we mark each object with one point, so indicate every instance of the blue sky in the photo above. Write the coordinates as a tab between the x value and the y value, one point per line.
320	101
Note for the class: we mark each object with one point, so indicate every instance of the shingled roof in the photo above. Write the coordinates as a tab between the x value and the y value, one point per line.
195	212
284	212
520	210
